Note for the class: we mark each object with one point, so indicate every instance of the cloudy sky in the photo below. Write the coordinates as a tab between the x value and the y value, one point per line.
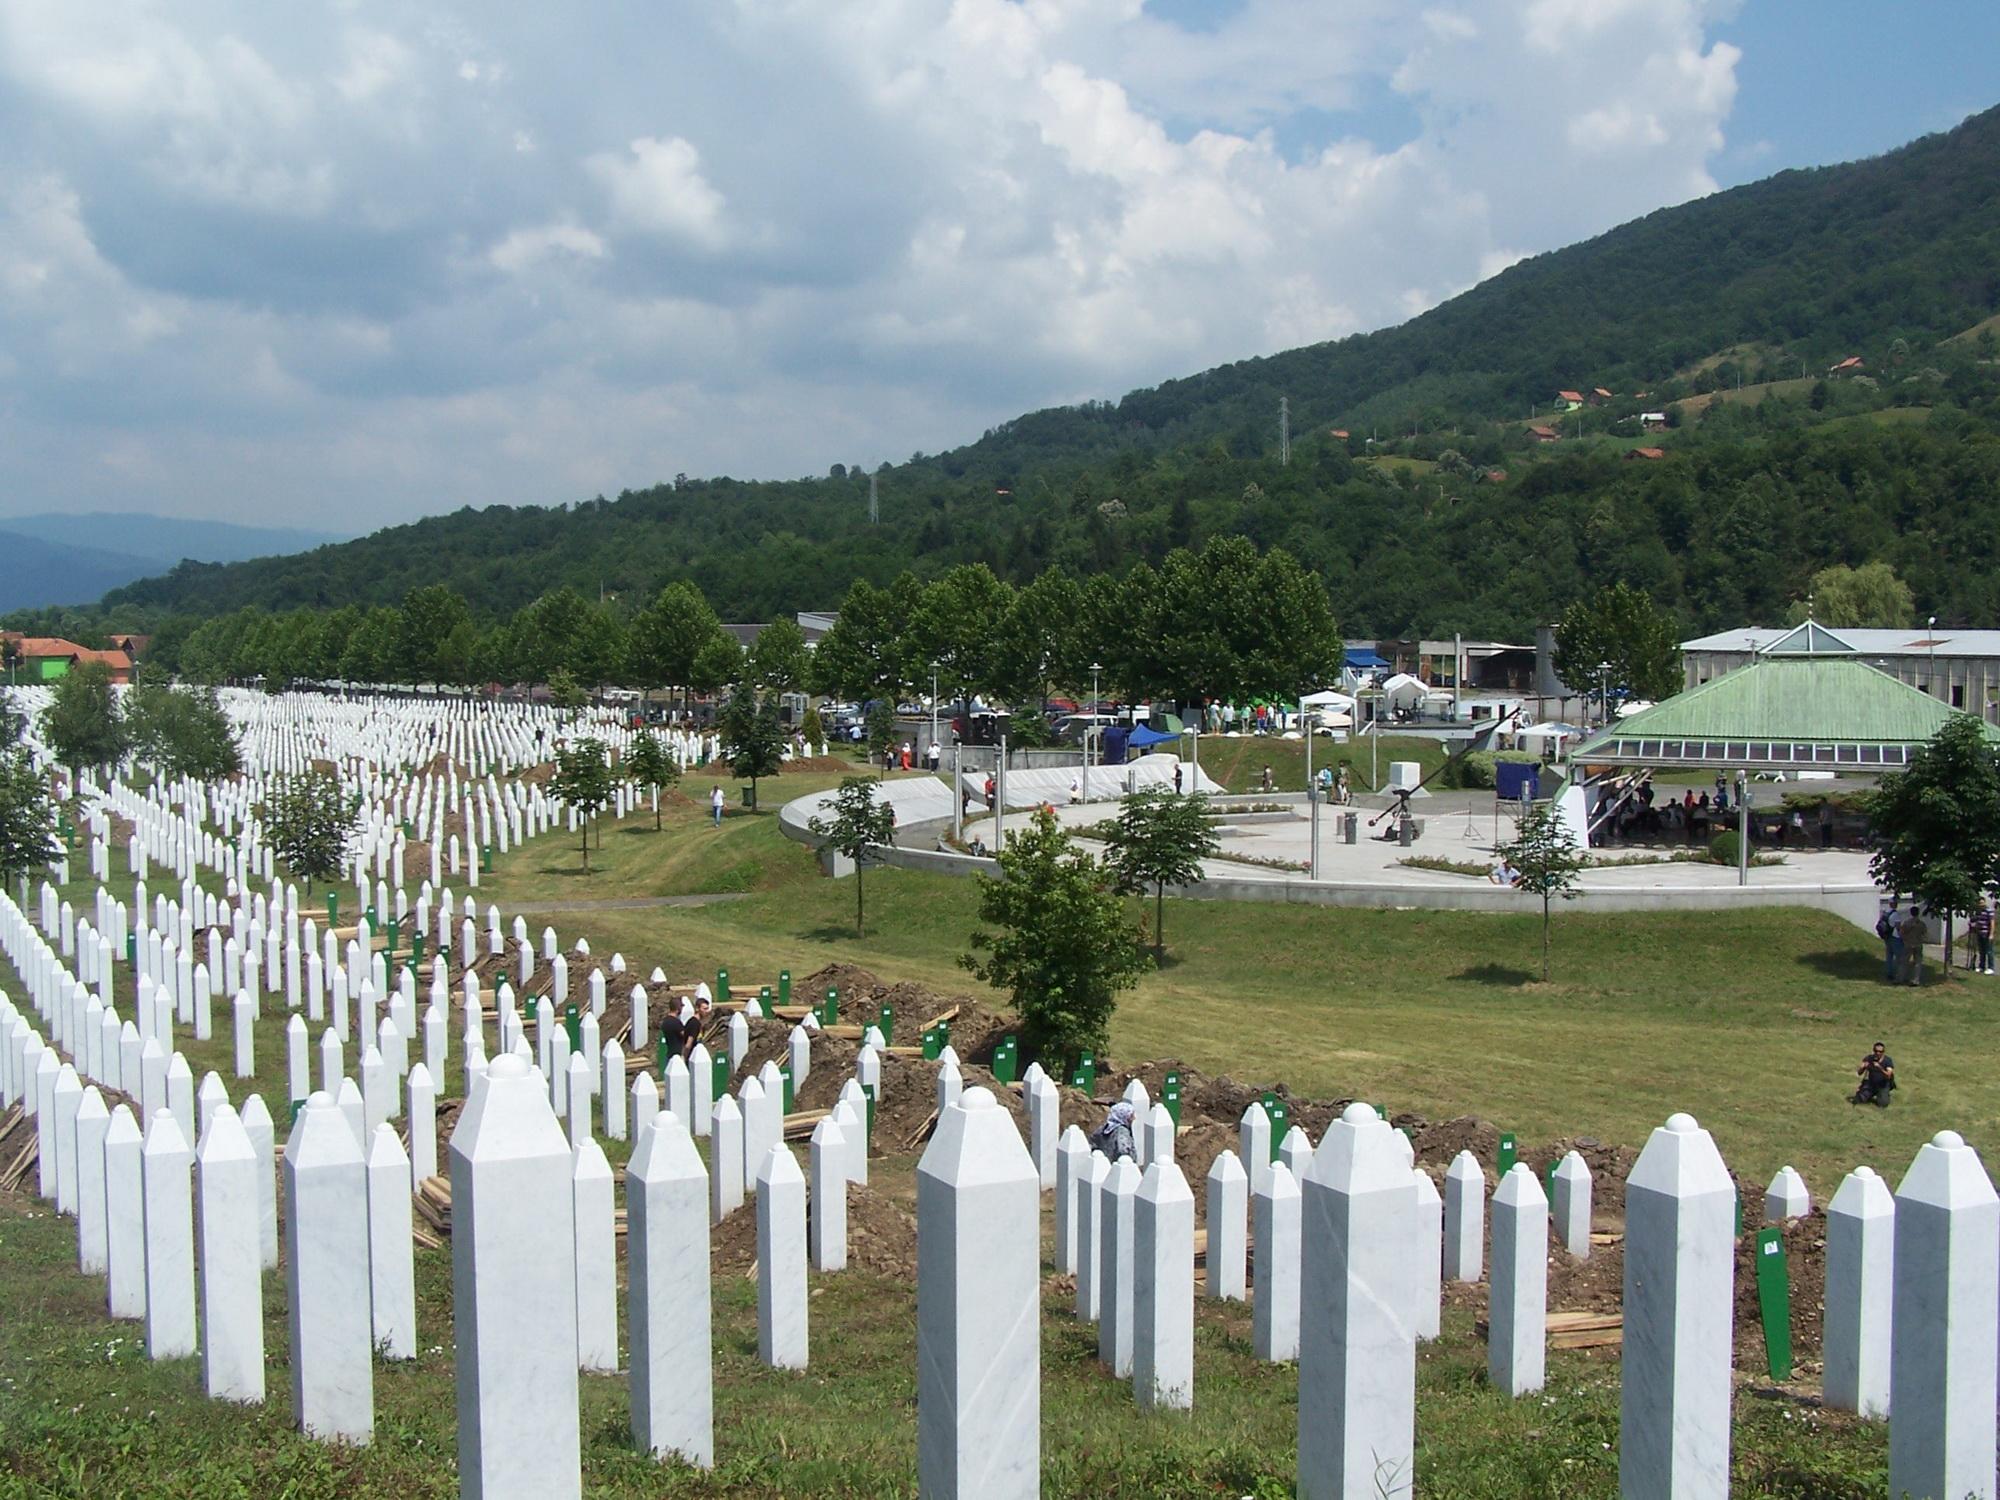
341	264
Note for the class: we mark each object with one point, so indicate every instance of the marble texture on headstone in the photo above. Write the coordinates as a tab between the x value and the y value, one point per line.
263	1135
1228	1228
1156	1131
1517	1303
170	1328
92	1230
513	1263
725	1161
1786	1197
978	1308
596	1259
781	1261
423	1125
391	1262
613	1091
679	1096
1296	1152
327	1279
1253	1137
644	1105
1163	1288
1464	1218
1116	1268
125	1215
1944	1339
67	1098
1680	1278
1276	1211
1860	1293
1044	1123
829	1196
1071	1149
666	1244
232	1279
1357	1349
1427	1267
1089	1229
1572	1204
701	1080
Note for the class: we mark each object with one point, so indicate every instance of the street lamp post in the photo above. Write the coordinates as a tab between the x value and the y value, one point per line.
1090	727
1604	692
1930	648
934	688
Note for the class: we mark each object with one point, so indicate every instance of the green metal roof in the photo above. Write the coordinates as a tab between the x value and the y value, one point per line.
1772	710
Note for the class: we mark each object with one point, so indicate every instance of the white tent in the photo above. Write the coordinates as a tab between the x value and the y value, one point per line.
1547	738
1339	702
1404	691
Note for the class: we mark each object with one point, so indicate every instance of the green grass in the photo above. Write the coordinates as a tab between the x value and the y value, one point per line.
1238	761
86	1412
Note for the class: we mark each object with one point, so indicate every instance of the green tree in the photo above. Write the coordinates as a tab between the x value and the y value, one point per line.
371	655
810	728
648	763
669	634
860	657
82	722
27	819
309	822
1063	947
597	653
1544	854
548	634
1622	626
1039	644
1870	596
957	626
859	823
1158	840
881	727
582	782
777	659
565	692
430	617
185	733
1937	822
753	741
718	664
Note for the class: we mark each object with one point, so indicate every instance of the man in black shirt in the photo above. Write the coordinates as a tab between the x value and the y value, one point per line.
673	1039
1878	1077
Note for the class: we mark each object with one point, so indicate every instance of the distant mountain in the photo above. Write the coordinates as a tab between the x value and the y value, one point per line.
162	541
1461	518
35	573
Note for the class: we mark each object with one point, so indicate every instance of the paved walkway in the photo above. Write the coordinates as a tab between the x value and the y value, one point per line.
1458	826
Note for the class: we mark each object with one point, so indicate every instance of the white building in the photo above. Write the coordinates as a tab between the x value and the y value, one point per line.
1961	667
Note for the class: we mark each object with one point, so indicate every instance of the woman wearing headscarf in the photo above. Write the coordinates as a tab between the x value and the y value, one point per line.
1114	1136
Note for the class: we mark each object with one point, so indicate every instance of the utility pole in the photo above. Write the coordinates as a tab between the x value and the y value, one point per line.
1285	430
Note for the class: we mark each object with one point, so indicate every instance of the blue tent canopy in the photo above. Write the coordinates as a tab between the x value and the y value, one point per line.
1364	660
1141	736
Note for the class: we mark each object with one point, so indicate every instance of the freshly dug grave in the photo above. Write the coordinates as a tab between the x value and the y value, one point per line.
881	1236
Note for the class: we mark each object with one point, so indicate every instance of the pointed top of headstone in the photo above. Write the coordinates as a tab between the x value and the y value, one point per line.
828	1133
725	1108
1573	1168
1520	1187
1072	1135
177	1067
224	1139
164	1136
1281	1184
771	1076
779	1166
255	1113
590	1163
1227	1167
1124	1177
321	1136
665	1153
385	1149
1359	1153
1465	1166
1680	1159
975	1143
124	1127
213	1090
1863	1195
751	1088
1164	1182
509	1117
1255	1112
420	1078
1946	1174
92	1106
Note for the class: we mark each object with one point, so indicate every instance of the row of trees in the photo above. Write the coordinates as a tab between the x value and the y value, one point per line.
1223	621
181	732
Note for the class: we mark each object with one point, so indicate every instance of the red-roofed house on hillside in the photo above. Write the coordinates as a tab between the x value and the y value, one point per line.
1851	365
1600	395
1543	434
49	658
1569	400
1649	453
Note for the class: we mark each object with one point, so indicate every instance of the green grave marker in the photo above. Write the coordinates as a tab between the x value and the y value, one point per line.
1280	1122
297	1105
764	1000
718	1072
721	986
1005	1058
1170	1095
933	1044
416	948
786	1074
886	1020
870	1095
486	859
333	908
662	1053
784	986
1739	1214
1549	1180
131	948
1774	1301
1504	1161
830	1011
1089	1066
1078	1077
573	1024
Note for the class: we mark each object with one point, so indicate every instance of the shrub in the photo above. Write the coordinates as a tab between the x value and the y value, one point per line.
1724	848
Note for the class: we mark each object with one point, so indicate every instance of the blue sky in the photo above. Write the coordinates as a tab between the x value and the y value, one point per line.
341	264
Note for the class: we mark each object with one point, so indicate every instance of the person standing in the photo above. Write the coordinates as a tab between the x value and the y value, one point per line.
1889	928
715	800
1177	778
1913	931
1980	925
1826	824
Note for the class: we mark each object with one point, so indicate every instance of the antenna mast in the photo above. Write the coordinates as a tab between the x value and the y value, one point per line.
1284	429
874	504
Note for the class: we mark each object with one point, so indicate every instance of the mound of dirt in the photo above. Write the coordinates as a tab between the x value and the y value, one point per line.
976	1029
881	1236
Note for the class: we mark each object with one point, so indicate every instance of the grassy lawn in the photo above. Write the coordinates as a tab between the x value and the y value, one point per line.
1238	761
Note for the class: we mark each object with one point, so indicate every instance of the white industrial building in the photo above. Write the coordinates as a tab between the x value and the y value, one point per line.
1961	667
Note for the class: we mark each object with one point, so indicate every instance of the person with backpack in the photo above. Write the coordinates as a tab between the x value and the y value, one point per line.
1888	928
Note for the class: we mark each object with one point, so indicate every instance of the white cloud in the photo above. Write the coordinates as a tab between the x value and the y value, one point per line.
404	263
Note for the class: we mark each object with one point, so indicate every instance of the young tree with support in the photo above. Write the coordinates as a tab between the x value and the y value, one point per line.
309	823
582	781
861	821
1064	946
648	763
1158	840
1546	861
753	741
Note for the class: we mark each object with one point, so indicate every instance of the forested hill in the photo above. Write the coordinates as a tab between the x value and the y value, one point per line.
1886	259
